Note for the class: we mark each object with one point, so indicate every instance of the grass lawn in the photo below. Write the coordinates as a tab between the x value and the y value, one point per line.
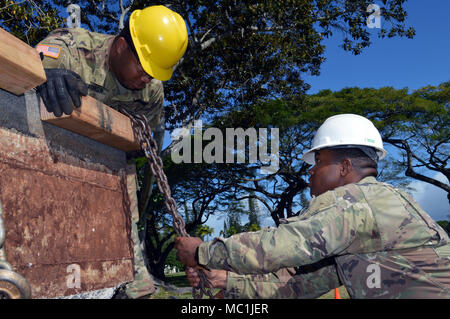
180	280
330	295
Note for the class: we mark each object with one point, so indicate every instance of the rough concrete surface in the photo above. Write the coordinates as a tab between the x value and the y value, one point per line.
65	204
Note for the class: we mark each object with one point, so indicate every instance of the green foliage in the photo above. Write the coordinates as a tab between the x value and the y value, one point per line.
239	53
30	21
232	224
445	224
420	118
416	123
235	211
242	52
173	261
249	51
398	114
140	162
204	231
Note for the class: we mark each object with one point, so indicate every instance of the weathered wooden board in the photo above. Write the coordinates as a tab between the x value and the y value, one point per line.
66	203
20	65
97	121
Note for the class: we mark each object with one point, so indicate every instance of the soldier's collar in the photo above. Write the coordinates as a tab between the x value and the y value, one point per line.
367	179
122	89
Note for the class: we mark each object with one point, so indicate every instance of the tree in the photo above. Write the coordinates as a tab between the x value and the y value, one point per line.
396	113
198	190
416	123
28	20
243	51
445	224
253	215
232	225
283	193
173	261
426	140
204	231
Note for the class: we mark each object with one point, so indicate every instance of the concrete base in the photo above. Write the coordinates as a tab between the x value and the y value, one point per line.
65	204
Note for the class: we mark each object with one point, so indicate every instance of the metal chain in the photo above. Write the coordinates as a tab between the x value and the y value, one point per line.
143	133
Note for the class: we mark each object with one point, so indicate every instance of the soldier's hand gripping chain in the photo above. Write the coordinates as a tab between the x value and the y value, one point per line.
62	90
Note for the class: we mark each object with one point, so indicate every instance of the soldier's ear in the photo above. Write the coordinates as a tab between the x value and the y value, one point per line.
346	167
121	45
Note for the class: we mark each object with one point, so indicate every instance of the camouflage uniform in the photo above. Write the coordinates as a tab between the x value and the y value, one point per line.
369	236
87	53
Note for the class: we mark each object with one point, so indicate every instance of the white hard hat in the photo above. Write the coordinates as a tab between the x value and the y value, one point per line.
346	130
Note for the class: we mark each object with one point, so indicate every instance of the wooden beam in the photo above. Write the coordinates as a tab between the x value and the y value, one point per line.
20	65
97	121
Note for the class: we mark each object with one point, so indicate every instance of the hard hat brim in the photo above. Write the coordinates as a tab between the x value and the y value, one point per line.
154	71
346	130
308	156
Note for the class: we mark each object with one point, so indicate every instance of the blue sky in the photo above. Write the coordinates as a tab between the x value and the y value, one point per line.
396	62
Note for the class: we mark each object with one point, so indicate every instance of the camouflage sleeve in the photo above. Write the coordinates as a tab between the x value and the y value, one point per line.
152	98
338	223
286	283
66	58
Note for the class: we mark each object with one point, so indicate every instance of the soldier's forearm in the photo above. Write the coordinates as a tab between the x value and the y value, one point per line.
297	243
286	283
259	252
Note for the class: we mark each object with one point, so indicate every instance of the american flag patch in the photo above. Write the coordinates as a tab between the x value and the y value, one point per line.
48	50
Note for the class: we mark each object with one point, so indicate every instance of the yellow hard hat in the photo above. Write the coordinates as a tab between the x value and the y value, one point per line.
160	39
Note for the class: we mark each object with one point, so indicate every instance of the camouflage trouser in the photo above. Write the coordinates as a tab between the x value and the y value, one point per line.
142	284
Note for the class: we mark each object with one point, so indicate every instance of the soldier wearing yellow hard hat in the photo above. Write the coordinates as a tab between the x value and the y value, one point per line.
119	70
160	39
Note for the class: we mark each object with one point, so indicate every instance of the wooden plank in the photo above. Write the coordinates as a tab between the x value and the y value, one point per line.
97	121
20	65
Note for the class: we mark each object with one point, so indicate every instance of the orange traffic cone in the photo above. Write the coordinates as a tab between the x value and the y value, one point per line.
337	295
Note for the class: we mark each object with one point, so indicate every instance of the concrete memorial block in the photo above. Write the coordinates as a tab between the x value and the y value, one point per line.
66	198
66	203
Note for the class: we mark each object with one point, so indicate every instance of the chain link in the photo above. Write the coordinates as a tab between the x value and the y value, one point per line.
144	134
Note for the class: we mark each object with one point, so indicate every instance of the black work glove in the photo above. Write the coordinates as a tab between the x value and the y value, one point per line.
62	91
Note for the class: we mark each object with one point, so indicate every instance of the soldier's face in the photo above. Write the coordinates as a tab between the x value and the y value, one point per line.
325	175
128	70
